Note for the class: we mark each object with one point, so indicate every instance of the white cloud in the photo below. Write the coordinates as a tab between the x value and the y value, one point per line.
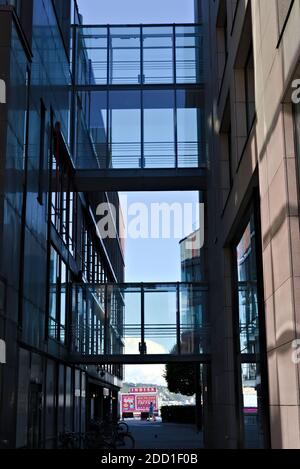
145	374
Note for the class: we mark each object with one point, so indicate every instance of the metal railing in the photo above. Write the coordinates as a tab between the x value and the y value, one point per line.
140	319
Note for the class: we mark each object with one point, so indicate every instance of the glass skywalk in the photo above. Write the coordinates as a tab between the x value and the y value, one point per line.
135	55
120	320
140	95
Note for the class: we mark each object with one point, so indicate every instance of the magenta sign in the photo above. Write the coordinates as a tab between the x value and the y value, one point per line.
138	402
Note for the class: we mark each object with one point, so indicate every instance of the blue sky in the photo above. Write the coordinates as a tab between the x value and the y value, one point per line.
136	11
156	260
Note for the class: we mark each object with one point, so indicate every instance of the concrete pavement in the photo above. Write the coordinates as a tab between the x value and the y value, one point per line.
158	435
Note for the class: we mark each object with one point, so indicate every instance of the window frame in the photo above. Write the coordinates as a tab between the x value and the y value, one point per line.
239	358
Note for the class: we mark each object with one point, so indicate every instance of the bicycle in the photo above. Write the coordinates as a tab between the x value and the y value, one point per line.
68	440
112	434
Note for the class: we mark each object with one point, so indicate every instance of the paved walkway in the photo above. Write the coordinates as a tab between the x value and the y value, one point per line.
158	435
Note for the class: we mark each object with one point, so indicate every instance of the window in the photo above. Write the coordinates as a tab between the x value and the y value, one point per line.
2	295
189	54
227	163
244	89
158	50
63	205
58	292
250	89
222	39
125	55
42	151
159	147
250	341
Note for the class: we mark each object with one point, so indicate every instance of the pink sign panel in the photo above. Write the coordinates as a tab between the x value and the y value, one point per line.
143	403
128	403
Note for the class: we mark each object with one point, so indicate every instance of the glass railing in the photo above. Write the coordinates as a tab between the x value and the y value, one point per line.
144	55
153	128
140	319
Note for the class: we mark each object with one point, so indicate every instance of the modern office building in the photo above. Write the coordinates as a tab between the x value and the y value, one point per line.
253	212
48	236
87	111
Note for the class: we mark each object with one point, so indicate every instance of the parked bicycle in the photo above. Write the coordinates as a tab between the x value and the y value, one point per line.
69	440
101	435
111	433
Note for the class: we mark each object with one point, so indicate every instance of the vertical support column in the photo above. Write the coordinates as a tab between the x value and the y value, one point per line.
69	317
178	319
108	163
143	346
73	97
142	99
198	397
106	329
175	98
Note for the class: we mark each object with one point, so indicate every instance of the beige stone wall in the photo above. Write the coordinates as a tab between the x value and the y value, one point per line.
266	158
275	67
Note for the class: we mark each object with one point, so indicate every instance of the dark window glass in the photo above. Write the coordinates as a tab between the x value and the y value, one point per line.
247	284
249	358
42	151
250	89
58	284
190	129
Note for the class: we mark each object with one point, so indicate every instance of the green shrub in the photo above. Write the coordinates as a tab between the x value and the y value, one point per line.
179	414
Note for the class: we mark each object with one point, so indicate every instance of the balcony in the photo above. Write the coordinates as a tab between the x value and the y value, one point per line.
146	323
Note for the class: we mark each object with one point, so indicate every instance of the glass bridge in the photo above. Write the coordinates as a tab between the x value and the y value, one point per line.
140	323
139	102
139	91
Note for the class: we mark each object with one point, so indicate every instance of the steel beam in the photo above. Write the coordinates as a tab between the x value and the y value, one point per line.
79	359
98	180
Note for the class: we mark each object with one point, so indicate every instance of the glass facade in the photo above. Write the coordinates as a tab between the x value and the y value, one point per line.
141	128
134	107
145	55
58	283
153	319
249	354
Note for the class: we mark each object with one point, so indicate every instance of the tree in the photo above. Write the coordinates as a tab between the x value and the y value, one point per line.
181	378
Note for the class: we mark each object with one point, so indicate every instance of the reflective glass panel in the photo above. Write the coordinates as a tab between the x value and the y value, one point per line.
160	319
194	322
125	129
190	129
92	56
159	131
125	55
98	125
252	406
247	287
158	54
189	54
